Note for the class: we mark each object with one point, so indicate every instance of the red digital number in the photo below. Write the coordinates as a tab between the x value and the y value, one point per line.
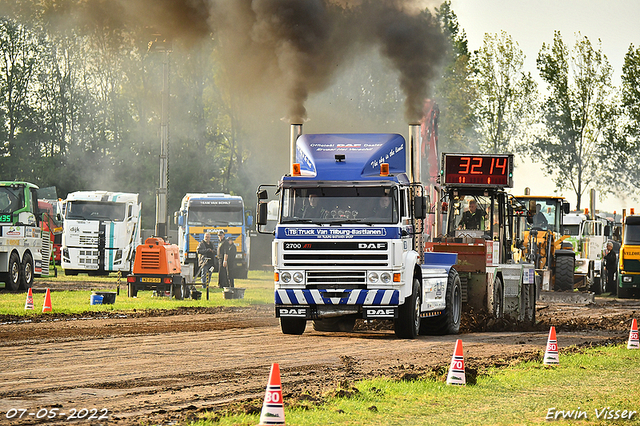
466	165
495	163
474	167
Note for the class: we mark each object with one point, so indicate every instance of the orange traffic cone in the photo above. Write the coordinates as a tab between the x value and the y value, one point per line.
456	370
273	406
29	303
551	354
47	302
633	336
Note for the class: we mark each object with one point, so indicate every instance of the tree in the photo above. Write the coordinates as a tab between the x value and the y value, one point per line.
454	92
626	160
506	96
578	113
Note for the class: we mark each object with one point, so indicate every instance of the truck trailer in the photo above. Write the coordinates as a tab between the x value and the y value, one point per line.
348	242
101	231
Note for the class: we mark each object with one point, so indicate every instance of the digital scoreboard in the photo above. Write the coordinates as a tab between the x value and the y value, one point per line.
477	170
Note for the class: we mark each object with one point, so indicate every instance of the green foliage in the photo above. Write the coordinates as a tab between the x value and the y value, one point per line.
506	96
579	113
454	92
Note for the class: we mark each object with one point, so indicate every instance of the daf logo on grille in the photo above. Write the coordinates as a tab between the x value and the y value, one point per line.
374	246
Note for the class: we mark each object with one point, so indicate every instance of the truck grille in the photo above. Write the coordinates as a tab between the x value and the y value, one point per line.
336	279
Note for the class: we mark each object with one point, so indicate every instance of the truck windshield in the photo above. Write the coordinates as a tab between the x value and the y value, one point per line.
95	210
632	231
572	229
11	199
215	216
367	205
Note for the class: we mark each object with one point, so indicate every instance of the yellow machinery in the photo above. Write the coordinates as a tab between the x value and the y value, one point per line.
538	239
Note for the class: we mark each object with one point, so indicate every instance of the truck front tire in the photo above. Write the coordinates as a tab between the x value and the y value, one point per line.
12	277
407	325
294	326
449	321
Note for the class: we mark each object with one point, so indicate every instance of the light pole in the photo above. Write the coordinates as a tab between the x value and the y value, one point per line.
163	45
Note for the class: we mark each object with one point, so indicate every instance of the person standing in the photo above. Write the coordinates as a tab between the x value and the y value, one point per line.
611	265
206	258
226	258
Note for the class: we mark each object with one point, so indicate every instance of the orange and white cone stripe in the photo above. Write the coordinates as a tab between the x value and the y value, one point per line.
551	356
28	305
456	370
47	302
273	406
633	336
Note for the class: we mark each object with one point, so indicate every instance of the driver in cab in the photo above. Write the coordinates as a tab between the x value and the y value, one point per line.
472	218
539	219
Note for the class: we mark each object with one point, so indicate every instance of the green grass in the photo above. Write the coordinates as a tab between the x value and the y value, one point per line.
523	394
258	290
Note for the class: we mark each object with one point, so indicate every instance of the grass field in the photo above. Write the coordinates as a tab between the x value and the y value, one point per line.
594	386
258	290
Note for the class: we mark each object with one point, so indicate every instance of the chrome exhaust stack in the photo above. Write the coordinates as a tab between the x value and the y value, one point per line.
415	162
296	131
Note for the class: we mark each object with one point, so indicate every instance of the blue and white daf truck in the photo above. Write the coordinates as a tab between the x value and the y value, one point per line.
349	239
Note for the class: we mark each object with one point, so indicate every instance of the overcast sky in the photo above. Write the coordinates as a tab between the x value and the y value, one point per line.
533	22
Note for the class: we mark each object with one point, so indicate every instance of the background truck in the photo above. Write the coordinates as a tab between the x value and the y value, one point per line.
212	212
492	283
358	252
629	260
101	231
25	249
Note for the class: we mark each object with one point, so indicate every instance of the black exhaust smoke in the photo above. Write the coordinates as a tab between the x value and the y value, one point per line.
293	47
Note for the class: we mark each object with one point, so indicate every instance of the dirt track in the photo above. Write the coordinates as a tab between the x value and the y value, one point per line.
165	367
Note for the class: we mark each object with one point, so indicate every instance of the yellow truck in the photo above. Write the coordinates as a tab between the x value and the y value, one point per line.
629	262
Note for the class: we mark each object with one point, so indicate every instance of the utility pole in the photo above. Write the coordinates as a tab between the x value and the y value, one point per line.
162	45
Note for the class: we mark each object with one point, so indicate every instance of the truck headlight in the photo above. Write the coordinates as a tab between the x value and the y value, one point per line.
373	277
285	277
298	277
238	255
627	279
385	277
191	255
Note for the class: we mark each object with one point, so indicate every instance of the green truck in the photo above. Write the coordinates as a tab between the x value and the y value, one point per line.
25	249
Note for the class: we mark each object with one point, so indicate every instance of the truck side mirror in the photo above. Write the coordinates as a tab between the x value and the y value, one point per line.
249	220
565	208
262	195
420	207
262	213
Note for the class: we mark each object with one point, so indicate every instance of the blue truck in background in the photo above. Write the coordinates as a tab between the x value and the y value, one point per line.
349	239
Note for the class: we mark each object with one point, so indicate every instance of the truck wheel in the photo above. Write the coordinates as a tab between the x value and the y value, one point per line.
449	321
564	272
26	276
293	325
344	324
624	293
13	276
498	298
596	285
407	325
71	272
